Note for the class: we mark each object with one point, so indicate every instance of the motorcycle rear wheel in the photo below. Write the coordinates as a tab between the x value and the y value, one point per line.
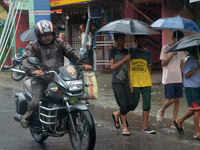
38	136
85	136
16	75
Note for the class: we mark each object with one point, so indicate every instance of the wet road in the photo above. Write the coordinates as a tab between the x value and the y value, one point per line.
13	137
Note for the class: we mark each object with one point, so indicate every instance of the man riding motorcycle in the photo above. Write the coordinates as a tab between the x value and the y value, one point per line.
50	51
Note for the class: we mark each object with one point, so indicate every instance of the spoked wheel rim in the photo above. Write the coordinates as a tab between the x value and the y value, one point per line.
16	75
85	136
82	131
38	136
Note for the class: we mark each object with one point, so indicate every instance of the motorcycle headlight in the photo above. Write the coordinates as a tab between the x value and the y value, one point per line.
75	85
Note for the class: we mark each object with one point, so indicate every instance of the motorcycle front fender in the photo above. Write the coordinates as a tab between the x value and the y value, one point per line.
77	106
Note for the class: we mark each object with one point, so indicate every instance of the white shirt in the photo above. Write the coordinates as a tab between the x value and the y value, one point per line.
89	39
172	71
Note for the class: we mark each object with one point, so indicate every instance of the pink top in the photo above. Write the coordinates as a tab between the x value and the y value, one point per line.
172	71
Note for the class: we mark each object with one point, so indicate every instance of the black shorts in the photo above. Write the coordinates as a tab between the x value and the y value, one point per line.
123	97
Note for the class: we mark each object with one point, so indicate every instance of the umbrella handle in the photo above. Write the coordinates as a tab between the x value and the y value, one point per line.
198	51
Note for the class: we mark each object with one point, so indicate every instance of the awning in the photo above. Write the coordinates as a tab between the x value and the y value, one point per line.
55	3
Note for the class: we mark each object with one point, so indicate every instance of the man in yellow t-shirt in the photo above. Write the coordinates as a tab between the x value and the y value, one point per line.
140	69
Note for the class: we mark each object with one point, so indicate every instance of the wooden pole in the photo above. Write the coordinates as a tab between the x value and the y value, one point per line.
139	11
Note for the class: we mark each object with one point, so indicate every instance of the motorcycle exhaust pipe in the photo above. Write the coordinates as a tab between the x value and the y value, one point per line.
18	117
16	70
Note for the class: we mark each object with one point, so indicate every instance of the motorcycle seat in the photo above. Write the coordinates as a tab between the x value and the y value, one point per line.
28	85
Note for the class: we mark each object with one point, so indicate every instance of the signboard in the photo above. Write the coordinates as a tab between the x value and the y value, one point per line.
31	19
55	3
23	26
94	11
41	5
27	4
192	1
6	1
42	15
3	16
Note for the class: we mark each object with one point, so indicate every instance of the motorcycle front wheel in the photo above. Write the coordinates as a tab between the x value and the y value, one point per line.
38	136
16	75
84	137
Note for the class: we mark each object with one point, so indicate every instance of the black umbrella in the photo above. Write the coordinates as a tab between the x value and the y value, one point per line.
189	43
28	35
129	26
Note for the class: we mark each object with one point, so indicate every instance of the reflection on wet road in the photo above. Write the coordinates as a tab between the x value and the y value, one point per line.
13	137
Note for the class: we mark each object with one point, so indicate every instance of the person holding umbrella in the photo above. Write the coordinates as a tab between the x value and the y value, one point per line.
171	77
191	83
141	79
118	56
121	85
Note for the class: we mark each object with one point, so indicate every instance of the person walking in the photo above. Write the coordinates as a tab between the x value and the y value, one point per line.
94	38
120	66
191	83
89	42
95	29
172	64
140	71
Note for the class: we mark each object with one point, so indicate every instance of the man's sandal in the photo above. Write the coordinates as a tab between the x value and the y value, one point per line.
24	123
125	133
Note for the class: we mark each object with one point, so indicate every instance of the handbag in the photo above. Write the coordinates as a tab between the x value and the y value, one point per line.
91	85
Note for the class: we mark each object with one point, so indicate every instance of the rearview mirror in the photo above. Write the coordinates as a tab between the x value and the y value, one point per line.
33	61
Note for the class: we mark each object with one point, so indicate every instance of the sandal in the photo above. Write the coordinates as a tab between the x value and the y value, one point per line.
125	133
24	123
179	129
115	121
160	119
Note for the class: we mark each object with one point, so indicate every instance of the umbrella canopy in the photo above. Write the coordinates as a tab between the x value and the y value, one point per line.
188	43
176	23
129	26
28	35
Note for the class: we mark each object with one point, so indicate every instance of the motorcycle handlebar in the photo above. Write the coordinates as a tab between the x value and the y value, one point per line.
46	73
82	68
49	72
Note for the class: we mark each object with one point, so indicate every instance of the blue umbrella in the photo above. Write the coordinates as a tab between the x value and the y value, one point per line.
176	23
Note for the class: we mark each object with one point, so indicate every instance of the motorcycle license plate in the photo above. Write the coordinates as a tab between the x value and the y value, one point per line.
73	100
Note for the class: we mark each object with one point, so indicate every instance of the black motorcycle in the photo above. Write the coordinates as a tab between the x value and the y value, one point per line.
17	72
62	110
